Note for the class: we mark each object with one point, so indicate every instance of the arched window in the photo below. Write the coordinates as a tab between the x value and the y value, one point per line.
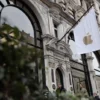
17	13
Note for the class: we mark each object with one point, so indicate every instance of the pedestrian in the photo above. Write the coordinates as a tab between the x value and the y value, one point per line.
96	97
83	90
60	89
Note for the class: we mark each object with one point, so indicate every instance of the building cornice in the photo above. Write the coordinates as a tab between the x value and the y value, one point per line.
61	13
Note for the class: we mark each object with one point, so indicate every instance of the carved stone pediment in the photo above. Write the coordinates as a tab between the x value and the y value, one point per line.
61	49
62	46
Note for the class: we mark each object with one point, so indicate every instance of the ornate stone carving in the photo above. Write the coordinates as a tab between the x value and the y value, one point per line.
51	64
51	42
55	13
62	3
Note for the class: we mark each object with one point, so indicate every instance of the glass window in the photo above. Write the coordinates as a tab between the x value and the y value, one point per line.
18	15
52	74
55	30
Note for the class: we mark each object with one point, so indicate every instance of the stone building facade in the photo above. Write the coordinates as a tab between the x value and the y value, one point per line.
50	20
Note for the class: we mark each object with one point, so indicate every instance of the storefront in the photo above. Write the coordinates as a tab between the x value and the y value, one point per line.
18	13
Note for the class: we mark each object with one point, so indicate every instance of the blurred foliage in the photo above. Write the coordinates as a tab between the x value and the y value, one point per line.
18	79
17	66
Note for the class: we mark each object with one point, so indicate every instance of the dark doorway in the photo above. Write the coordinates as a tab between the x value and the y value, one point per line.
59	77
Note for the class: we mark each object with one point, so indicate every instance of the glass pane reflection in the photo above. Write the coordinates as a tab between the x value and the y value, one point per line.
15	17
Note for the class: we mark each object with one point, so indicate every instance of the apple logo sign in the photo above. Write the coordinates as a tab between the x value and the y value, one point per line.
87	39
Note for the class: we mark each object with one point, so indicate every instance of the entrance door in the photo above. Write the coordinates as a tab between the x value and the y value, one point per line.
59	77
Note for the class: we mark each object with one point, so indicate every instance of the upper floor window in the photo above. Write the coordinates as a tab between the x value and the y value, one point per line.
55	29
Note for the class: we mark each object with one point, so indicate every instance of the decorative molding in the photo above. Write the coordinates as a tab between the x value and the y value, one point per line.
92	72
61	12
51	64
45	36
57	48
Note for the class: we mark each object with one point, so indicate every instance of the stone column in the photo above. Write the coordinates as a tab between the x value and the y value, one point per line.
91	71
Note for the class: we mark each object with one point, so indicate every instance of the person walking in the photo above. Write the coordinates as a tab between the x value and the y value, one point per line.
96	97
60	89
